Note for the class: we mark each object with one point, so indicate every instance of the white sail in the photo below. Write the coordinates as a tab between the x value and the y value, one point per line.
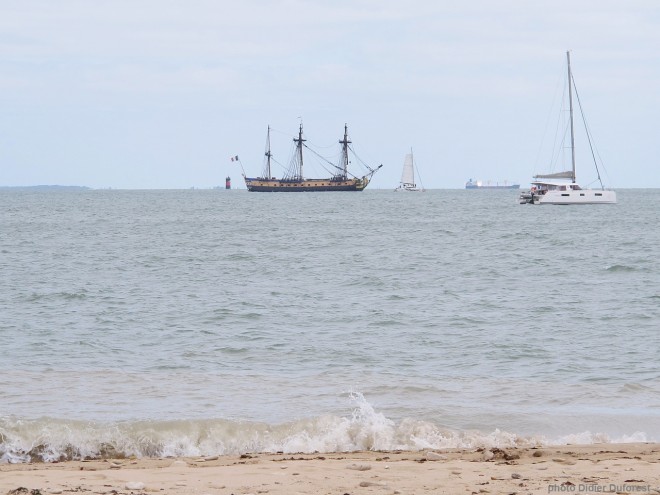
408	174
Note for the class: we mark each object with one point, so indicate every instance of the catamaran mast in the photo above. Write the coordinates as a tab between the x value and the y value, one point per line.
344	151
570	104
299	145
268	154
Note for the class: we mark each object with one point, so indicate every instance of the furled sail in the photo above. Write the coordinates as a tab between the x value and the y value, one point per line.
568	174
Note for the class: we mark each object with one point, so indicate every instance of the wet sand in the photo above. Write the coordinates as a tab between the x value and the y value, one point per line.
603	468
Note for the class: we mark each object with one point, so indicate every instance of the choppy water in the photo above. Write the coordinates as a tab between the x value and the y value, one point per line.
209	322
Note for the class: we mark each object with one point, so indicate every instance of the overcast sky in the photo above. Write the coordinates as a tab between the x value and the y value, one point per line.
161	93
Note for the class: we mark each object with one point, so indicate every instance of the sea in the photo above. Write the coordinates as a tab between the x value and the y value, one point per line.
156	323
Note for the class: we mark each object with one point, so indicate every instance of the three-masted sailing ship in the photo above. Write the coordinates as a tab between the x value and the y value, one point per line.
294	180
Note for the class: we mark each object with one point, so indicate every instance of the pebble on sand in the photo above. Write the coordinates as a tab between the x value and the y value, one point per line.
134	485
434	456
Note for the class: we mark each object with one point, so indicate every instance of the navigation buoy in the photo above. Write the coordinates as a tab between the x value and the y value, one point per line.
228	183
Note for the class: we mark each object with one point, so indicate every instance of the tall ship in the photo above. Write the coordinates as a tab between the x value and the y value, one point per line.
294	180
477	184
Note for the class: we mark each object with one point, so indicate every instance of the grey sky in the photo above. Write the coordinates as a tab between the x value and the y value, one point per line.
159	94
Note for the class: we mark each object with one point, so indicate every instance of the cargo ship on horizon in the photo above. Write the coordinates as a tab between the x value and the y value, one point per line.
477	184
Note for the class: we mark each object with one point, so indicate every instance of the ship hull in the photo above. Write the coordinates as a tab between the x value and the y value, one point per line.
512	186
308	185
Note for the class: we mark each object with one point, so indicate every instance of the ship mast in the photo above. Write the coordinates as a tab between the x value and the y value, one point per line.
299	144
268	155
570	104
344	151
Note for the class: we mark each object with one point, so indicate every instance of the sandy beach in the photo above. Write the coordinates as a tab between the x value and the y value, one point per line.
603	468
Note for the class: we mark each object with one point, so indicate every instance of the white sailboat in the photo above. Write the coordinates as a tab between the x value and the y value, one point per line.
408	175
561	188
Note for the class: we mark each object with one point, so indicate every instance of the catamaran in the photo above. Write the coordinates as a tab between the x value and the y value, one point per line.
561	188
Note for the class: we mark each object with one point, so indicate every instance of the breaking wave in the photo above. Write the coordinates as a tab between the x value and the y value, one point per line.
52	440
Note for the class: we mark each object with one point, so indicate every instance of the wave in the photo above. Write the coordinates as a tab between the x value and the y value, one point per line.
65	295
620	268
53	440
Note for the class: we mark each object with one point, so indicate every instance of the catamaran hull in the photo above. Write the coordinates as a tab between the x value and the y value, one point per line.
579	197
310	185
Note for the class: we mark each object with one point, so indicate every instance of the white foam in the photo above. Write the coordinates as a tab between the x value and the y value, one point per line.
365	429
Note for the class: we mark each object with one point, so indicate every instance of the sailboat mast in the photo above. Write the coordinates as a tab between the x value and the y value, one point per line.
570	104
268	154
344	150
299	143
412	160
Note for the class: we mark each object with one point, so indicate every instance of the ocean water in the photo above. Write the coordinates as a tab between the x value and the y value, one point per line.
204	322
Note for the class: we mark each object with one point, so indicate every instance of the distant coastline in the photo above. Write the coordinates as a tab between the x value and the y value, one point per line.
47	187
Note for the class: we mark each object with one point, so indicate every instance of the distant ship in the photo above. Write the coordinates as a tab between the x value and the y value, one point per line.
477	184
408	175
294	180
